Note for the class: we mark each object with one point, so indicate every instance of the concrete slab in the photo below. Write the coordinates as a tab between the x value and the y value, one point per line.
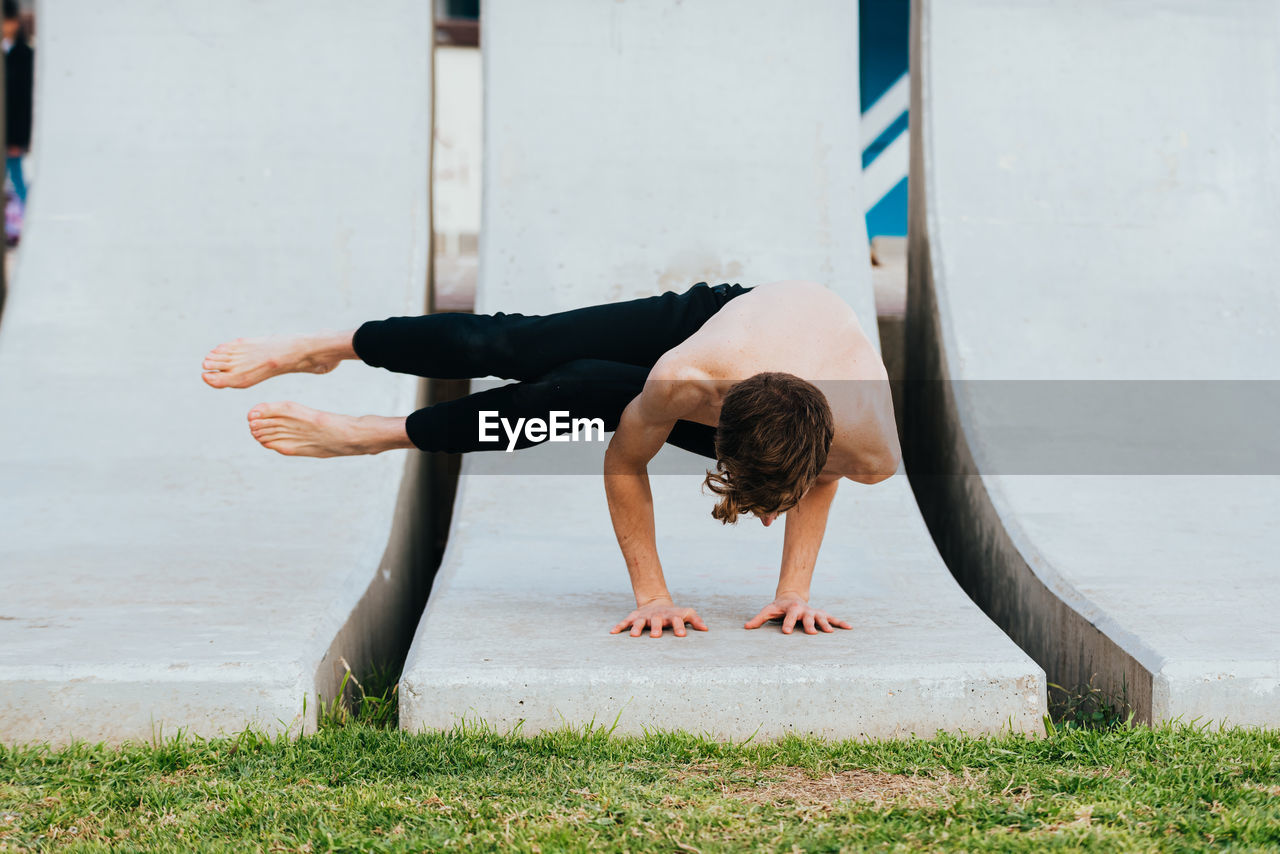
160	570
1070	167
630	149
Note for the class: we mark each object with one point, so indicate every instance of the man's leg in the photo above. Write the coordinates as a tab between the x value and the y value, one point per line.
586	388
248	361
637	333
514	346
300	431
463	346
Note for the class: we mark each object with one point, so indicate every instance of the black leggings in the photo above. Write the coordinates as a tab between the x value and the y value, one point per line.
590	362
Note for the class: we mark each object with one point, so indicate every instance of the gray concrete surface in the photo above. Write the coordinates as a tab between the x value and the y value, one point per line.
204	175
1094	196
631	149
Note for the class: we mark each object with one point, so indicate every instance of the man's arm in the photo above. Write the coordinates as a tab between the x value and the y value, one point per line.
626	484
642	429
805	525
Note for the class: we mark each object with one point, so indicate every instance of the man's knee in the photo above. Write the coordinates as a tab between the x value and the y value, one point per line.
584	388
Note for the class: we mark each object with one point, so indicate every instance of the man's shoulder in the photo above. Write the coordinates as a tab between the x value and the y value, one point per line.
677	367
676	385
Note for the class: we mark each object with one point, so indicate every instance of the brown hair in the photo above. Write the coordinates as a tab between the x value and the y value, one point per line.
771	444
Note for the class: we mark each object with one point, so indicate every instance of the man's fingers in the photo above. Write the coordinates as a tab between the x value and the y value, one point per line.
677	626
696	622
790	622
808	625
622	625
637	627
824	623
759	619
655	626
841	623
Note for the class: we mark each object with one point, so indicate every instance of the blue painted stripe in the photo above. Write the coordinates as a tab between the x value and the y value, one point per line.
889	216
884	32
880	143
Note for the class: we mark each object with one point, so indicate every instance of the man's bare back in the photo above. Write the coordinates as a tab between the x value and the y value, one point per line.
800	328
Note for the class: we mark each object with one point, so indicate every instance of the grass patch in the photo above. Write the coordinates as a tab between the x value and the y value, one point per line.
1088	707
375	702
359	788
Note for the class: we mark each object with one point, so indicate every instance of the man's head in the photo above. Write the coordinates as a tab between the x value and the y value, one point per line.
11	22
772	442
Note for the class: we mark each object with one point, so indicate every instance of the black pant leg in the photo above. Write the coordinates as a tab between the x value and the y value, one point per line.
586	388
516	346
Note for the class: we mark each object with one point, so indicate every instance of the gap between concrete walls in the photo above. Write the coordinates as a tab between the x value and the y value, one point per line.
377	635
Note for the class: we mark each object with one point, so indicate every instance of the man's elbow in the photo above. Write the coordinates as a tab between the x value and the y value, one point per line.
618	461
881	471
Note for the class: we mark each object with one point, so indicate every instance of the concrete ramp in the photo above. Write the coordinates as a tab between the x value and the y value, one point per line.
1093	265
207	171
633	148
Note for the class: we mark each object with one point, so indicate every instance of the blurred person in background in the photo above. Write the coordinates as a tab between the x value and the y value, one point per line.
19	76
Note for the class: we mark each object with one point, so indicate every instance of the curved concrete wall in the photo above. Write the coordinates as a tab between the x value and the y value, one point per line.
632	149
207	171
1093	200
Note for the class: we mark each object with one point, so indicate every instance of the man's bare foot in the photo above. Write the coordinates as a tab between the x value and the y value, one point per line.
300	431
248	361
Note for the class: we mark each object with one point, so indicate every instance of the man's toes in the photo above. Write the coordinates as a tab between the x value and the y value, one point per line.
217	379
285	409
264	410
262	426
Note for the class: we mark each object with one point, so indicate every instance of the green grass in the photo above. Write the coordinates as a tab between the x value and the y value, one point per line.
375	701
1088	707
360	788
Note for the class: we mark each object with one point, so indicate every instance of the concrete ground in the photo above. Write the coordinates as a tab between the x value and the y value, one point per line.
159	569
632	194
1114	508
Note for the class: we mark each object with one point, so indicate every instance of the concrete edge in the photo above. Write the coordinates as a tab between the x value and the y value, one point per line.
1229	690
443	576
978	542
649	697
83	698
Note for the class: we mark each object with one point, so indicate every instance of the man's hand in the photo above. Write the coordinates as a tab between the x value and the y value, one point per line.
657	614
792	610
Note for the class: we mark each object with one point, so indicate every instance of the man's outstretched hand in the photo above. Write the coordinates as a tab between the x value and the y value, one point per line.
658	614
792	610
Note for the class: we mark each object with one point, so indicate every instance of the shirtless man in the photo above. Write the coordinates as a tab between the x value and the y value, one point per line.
714	370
